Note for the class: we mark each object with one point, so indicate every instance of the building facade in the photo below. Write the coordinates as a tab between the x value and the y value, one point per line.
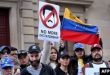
19	21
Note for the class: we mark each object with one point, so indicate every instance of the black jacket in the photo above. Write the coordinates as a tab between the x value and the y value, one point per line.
22	67
59	71
74	63
46	70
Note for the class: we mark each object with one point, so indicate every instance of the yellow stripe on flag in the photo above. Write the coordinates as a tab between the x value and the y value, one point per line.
68	14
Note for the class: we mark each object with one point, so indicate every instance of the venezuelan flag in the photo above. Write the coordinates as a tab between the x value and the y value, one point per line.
75	30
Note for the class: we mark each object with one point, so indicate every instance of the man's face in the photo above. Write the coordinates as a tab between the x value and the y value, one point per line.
97	54
51	21
34	59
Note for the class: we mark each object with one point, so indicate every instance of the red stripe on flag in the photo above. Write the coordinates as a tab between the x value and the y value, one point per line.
79	37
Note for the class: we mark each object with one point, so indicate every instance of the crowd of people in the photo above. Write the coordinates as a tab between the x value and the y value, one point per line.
27	62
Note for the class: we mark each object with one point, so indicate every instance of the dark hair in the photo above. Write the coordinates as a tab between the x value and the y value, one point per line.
22	53
13	48
54	49
75	53
5	48
83	57
47	7
70	69
57	53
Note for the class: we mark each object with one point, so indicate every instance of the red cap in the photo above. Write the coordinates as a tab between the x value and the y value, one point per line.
96	46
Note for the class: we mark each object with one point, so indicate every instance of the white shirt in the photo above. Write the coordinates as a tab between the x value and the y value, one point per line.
53	65
97	67
79	69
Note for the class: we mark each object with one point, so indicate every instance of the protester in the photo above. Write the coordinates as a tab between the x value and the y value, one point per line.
35	67
13	52
53	57
14	56
7	66
23	59
97	55
5	51
63	66
79	59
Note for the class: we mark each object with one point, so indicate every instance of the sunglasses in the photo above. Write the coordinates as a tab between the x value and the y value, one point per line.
14	54
5	51
80	50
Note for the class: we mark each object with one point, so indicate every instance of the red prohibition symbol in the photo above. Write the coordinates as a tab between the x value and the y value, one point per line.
50	14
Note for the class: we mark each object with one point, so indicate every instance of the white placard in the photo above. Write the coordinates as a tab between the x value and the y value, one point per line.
91	71
49	22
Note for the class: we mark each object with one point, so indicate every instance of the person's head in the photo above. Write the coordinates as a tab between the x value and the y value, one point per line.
96	52
34	55
79	50
5	51
23	57
46	11
64	59
53	54
13	52
7	66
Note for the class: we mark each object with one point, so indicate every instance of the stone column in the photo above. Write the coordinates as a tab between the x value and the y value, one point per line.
27	23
